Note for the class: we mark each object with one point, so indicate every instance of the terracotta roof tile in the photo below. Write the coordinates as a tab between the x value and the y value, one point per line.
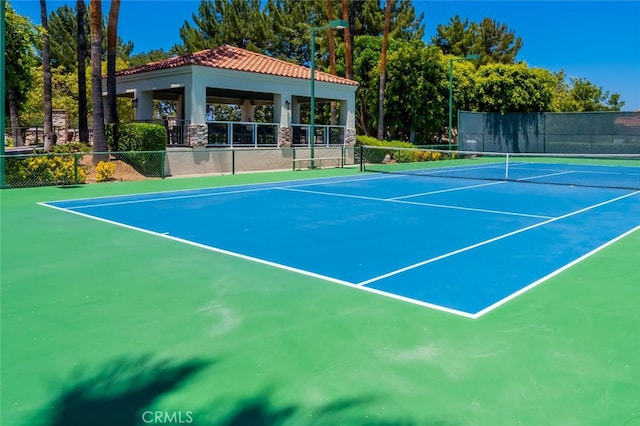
234	58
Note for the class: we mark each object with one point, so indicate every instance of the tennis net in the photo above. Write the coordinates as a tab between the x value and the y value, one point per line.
608	171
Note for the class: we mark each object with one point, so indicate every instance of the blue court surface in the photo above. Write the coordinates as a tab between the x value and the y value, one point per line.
460	246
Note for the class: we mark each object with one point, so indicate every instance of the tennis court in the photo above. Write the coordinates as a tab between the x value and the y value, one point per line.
300	227
340	298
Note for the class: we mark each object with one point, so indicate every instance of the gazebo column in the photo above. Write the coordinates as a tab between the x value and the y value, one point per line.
143	105
247	112
348	120
282	116
195	106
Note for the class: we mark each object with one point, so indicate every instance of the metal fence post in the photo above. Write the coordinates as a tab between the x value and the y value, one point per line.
164	161
293	149
75	168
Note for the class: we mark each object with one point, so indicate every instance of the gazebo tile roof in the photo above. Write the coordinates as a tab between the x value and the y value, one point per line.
237	59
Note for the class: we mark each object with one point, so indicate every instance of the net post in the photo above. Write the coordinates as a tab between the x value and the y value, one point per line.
362	158
233	161
506	168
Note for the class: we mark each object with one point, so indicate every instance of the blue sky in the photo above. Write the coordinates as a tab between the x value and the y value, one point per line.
596	40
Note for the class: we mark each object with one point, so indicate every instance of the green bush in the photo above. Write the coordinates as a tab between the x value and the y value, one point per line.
72	147
378	155
399	155
43	170
149	139
136	137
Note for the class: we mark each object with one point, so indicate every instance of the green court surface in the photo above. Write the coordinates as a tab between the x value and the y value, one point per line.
103	325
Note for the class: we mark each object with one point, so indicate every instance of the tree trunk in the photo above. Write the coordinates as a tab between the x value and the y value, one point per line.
12	98
383	64
332	56
99	137
112	38
49	137
348	40
83	111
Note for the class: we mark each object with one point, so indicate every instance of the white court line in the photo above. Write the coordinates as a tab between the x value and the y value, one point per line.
151	200
544	176
360	286
269	263
459	188
574	170
492	240
413	203
207	194
551	275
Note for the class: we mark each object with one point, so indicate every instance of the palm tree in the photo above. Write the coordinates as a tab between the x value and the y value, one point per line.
383	64
332	55
49	138
348	40
83	125
112	41
99	137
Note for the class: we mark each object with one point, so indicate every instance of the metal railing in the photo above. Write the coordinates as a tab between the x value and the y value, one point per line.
326	135
242	134
177	131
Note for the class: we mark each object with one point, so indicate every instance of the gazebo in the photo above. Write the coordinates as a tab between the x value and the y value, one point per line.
233	76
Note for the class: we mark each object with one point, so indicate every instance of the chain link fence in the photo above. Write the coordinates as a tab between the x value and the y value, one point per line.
22	170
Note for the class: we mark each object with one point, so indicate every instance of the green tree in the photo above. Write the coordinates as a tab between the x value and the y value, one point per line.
462	88
63	25
494	41
290	19
513	88
64	95
578	94
586	96
365	71
20	36
239	23
416	92
144	58
63	31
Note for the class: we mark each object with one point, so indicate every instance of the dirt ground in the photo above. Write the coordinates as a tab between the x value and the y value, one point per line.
124	172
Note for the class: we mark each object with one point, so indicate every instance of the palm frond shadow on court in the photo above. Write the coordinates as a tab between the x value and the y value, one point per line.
261	411
119	391
124	388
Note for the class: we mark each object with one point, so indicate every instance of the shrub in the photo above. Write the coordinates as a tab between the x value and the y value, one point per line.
72	147
44	170
144	137
136	137
378	155
104	171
